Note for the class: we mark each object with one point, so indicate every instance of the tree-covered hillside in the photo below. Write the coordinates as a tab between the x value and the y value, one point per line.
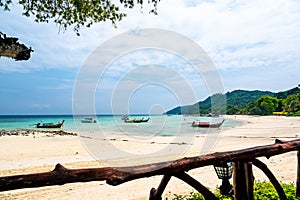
244	102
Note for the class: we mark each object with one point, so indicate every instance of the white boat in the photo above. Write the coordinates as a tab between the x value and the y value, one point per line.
88	120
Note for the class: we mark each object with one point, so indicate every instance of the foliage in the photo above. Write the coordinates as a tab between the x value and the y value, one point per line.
292	104
191	196
262	191
198	196
231	110
245	102
76	13
265	190
236	101
205	107
265	105
242	98
285	94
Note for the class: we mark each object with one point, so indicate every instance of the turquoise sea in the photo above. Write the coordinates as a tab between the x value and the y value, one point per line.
164	125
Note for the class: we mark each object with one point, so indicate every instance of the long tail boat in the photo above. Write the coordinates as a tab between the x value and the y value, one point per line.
50	125
207	124
139	120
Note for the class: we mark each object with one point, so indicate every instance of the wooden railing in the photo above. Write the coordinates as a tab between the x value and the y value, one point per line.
242	180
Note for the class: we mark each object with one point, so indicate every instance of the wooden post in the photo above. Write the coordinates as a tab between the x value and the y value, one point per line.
298	176
249	178
243	180
238	180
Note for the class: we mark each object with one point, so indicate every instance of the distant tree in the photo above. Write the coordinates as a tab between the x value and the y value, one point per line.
280	105
292	103
265	105
285	94
232	110
254	111
75	13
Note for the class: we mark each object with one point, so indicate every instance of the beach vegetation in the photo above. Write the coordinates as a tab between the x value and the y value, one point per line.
232	110
292	105
264	105
262	190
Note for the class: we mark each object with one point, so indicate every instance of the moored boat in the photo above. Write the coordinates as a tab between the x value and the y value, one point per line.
88	120
50	125
136	120
207	124
125	117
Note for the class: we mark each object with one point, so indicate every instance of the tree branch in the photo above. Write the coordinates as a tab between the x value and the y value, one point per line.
10	47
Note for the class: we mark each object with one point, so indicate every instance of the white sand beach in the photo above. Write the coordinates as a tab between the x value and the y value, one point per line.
40	153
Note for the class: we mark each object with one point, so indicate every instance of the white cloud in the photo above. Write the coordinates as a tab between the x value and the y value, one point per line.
228	30
224	28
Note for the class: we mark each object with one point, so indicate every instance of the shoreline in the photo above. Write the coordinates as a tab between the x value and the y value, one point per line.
39	153
28	132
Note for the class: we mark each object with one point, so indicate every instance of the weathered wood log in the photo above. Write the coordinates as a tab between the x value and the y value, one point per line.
115	176
60	175
10	47
298	175
271	177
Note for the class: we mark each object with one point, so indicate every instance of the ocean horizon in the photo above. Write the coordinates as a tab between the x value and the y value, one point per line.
159	124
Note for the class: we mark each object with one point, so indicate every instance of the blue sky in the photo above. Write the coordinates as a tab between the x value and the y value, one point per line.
253	45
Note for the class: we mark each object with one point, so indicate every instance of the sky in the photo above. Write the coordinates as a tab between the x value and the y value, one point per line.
252	45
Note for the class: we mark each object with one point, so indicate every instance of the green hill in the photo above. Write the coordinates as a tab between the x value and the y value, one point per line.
235	102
